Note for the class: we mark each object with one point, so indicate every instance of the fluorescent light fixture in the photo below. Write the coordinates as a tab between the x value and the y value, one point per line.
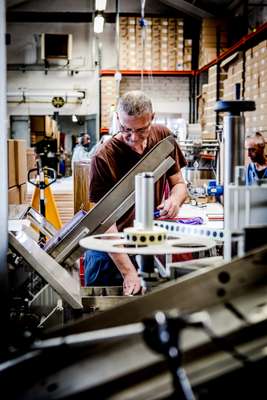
99	23
74	118
100	5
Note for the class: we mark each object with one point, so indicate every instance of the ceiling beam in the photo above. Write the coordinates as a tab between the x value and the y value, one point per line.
188	8
23	16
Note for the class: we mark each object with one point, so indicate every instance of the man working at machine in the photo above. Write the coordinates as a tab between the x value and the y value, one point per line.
257	169
136	136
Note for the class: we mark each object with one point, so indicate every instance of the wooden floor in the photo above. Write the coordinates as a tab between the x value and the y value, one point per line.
63	194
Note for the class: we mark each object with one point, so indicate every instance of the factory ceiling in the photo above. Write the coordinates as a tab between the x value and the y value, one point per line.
81	10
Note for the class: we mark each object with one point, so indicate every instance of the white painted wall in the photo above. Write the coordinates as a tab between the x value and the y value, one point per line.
24	50
169	95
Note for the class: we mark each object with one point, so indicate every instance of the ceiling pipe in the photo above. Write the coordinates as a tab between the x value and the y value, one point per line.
79	94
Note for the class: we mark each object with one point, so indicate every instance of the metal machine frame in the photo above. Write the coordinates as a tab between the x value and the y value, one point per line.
56	265
229	337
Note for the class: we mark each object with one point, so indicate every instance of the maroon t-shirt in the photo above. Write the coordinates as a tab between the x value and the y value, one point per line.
115	158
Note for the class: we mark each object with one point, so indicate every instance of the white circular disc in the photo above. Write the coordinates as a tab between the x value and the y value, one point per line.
115	243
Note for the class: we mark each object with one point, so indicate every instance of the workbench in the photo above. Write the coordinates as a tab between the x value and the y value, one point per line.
212	215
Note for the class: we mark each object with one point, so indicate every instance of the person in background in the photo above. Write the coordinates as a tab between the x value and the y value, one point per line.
257	168
46	150
62	159
135	137
81	150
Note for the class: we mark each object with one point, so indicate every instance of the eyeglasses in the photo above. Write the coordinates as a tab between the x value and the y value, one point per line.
139	131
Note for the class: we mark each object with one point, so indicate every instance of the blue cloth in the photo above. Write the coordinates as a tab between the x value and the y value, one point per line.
191	221
252	175
100	270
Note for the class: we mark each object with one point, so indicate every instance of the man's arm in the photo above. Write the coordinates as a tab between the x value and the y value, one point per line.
170	207
131	281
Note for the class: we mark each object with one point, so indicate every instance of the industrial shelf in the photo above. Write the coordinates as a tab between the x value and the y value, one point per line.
240	45
244	43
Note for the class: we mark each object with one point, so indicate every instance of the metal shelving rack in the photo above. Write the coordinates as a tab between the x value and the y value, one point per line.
194	75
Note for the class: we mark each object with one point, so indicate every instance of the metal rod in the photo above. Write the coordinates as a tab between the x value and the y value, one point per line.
138	201
90	338
234	134
118	34
148	200
3	188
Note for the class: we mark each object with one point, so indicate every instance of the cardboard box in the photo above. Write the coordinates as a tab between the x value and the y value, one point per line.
14	195
42	124
22	193
188	42
31	161
11	163
20	161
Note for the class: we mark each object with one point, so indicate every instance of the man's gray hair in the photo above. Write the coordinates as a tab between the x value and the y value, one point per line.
135	103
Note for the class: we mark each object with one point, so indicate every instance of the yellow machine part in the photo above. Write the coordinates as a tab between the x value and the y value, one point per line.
51	211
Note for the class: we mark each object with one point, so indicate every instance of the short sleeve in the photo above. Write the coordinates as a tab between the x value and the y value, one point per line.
100	179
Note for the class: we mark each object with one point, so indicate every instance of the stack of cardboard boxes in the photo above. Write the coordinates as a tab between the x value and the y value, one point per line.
41	126
142	45
213	33
157	46
233	84
256	87
180	45
164	45
172	40
188	54
17	171
123	42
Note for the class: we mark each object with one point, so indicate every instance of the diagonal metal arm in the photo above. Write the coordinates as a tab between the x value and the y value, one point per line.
191	293
114	204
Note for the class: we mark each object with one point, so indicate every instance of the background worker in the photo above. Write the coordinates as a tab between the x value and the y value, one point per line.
257	168
136	136
81	150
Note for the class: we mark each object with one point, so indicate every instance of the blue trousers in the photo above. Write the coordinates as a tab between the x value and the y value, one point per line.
100	270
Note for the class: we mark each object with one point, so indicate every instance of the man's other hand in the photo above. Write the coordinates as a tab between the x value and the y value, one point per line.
131	283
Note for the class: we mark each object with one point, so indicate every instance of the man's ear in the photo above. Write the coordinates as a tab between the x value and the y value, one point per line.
152	117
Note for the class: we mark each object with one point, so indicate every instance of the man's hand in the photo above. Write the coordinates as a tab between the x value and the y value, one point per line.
169	208
131	283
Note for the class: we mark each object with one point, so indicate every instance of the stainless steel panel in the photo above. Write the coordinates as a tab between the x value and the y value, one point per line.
57	276
190	293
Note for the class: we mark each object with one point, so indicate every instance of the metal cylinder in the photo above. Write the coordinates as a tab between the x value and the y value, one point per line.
148	200
234	139
138	201
144	200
